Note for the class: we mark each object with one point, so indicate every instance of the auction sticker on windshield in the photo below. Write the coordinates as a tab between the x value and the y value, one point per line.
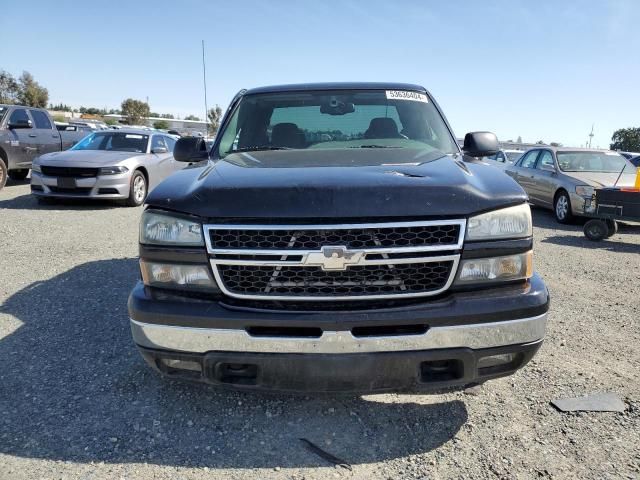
406	95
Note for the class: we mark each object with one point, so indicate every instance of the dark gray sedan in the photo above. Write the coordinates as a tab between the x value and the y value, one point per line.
122	164
563	179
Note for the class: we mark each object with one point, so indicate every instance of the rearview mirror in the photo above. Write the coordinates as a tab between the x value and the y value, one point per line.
19	124
159	150
190	149
480	144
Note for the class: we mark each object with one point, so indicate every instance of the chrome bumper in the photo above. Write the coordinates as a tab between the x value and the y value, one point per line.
474	336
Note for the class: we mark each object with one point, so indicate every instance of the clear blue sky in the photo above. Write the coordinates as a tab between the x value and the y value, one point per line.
539	69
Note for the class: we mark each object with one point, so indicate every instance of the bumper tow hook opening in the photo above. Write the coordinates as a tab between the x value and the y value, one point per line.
236	373
441	370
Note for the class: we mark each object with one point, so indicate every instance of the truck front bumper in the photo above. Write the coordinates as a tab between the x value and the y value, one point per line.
464	338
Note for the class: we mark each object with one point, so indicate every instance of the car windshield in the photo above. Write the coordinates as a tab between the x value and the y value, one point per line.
116	141
605	162
336	120
513	156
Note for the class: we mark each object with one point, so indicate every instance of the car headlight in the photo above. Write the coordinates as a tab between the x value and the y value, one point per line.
511	222
177	277
496	269
112	170
585	190
164	229
35	168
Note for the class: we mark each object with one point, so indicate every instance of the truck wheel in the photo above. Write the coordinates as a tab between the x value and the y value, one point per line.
137	189
562	208
612	228
595	230
3	173
18	175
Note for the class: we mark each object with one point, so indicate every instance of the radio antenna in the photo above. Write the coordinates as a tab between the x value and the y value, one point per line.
204	80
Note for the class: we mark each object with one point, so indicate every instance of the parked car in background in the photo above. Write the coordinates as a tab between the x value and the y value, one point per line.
635	161
506	157
25	133
123	164
565	178
68	127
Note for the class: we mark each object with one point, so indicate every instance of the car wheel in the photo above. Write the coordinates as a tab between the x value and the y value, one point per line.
18	175
137	189
612	228
562	208
3	173
595	230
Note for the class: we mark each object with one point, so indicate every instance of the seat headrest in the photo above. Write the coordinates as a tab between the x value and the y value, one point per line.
287	135
382	127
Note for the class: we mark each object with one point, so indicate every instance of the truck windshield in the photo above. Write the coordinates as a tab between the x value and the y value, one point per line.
606	162
116	141
336	120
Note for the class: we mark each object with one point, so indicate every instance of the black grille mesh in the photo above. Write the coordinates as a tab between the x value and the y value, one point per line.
387	237
68	171
354	281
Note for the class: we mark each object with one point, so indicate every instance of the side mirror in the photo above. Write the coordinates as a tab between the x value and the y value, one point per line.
190	149
480	144
158	150
545	167
19	124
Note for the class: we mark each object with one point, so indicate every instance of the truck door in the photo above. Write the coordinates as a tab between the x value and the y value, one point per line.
21	144
47	136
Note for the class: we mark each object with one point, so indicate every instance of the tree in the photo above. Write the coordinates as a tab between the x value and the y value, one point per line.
555	144
32	94
626	139
540	142
9	88
214	115
192	117
110	121
161	125
135	111
519	139
167	115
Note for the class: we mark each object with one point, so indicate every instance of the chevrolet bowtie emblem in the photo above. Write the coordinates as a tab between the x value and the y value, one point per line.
333	258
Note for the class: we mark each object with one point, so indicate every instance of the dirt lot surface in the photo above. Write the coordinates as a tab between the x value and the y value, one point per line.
77	401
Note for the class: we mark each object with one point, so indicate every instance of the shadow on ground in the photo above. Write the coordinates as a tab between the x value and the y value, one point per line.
30	202
73	387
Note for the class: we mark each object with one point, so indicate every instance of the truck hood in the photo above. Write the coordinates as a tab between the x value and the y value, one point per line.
601	179
330	184
85	158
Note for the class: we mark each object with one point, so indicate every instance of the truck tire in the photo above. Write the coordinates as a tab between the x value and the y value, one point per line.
595	230
562	207
18	175
3	173
137	189
612	228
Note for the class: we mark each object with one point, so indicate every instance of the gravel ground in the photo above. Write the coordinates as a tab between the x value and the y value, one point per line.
77	401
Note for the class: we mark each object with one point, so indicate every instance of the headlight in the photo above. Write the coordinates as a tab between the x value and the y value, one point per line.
113	170
162	229
585	190
179	277
35	168
496	269
512	222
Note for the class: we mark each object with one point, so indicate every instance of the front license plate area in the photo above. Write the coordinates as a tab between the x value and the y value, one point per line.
64	182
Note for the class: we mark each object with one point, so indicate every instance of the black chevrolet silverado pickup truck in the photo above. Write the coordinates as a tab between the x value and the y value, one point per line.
336	238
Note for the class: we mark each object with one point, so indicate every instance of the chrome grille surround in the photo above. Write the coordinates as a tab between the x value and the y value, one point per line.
334	258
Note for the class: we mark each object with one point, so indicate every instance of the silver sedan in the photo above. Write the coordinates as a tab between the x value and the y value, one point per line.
122	164
565	179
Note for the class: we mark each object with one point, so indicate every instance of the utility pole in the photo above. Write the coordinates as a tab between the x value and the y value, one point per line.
591	135
204	80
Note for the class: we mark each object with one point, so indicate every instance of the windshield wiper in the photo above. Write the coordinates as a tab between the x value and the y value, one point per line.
258	148
375	146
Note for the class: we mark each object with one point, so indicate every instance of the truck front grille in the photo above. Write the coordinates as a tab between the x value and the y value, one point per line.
353	282
335	262
77	172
